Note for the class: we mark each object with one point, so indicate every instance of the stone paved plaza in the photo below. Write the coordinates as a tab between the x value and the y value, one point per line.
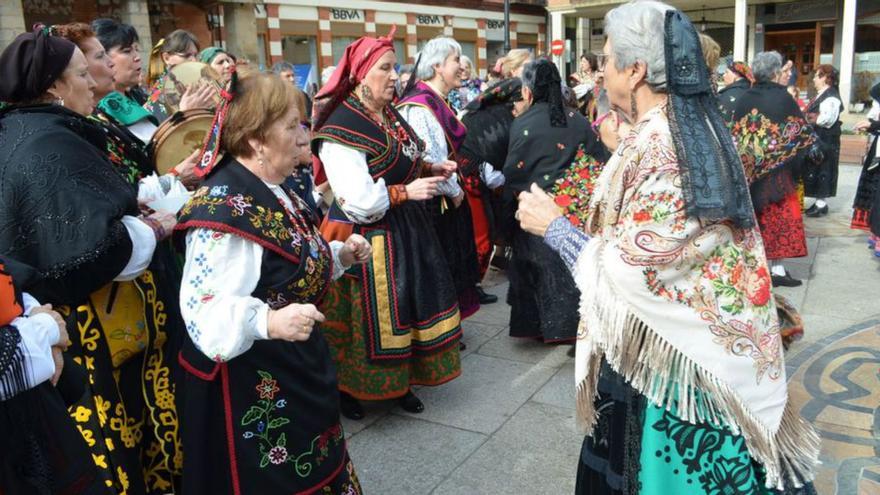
507	424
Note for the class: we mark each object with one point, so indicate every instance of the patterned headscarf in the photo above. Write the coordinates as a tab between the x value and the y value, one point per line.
742	70
208	54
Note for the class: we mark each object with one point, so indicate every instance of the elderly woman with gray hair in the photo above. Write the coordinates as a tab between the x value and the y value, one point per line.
772	138
679	369
545	139
425	108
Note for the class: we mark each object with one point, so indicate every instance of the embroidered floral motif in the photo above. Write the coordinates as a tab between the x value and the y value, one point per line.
763	146
572	192
267	421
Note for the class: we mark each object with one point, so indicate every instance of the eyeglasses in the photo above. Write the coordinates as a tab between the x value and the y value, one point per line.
601	60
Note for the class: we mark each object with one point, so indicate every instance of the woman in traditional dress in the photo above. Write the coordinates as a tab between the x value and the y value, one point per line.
260	412
823	112
425	109
772	138
544	141
737	79
178	47
65	211
866	206
488	119
674	395
220	60
123	103
393	322
126	150
470	86
43	453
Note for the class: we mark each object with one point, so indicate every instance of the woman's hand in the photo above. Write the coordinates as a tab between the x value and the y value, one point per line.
456	201
293	322
63	337
186	170
356	250
862	126
162	223
424	188
198	96
536	210
444	169
58	357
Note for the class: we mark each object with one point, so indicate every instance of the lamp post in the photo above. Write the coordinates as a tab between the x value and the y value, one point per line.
506	26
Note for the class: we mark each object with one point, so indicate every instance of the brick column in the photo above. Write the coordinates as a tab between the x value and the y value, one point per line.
447	26
542	38
412	45
274	24
325	48
513	41
135	13
370	22
240	27
482	61
11	21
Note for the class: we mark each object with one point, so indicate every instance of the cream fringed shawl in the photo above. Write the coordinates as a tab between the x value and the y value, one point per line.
683	309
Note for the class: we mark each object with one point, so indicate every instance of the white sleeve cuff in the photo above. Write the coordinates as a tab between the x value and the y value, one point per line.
338	268
262	324
143	245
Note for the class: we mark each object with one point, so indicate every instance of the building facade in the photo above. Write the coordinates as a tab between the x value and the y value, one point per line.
308	33
844	33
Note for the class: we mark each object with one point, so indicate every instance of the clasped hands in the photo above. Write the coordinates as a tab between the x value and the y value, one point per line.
427	187
295	322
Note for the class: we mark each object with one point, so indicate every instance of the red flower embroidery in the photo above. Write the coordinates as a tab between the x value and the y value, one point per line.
642	216
268	388
758	287
563	201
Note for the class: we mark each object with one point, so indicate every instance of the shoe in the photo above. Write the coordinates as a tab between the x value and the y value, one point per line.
486	298
811	210
350	407
572	351
818	212
462	346
785	281
410	403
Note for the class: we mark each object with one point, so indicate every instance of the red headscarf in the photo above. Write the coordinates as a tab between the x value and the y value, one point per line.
356	62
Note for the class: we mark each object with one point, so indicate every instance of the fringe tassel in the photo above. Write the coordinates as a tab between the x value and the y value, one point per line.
671	380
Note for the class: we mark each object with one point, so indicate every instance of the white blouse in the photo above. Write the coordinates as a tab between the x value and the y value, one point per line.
829	111
221	272
361	198
38	334
429	130
143	245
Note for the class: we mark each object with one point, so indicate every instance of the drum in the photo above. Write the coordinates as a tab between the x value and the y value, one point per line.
181	76
178	137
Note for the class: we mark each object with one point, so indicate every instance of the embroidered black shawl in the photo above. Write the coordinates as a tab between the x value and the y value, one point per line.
771	137
61	202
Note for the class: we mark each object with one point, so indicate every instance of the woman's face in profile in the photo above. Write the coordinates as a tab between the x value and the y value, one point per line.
76	85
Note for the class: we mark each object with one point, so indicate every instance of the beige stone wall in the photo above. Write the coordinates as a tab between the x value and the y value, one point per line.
11	21
135	12
241	31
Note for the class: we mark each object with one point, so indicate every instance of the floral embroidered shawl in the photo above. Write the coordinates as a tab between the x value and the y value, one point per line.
682	308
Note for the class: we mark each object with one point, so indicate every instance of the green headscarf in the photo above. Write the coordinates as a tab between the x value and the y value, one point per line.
208	54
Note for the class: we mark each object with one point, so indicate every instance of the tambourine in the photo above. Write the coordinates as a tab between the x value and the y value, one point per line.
184	75
178	137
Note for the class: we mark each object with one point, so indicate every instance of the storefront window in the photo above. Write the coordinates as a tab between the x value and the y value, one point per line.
338	45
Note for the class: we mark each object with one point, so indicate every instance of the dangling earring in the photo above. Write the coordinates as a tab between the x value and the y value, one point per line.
59	101
633	109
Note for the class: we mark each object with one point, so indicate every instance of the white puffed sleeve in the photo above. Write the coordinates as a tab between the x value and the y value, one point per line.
431	132
143	245
38	334
829	112
221	272
360	197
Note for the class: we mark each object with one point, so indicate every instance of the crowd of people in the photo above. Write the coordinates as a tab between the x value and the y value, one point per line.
331	242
